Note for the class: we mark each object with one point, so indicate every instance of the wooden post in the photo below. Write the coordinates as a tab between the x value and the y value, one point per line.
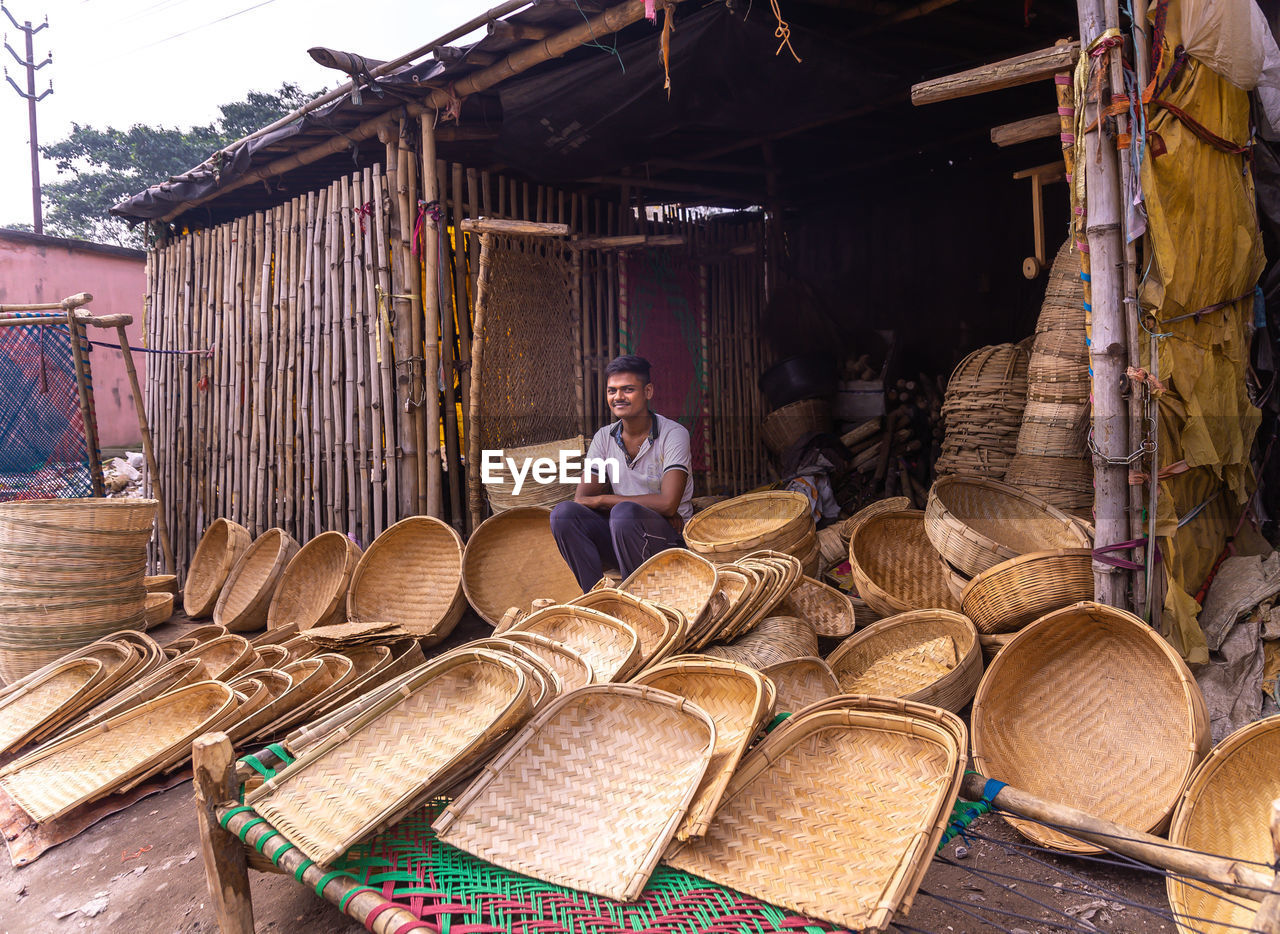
1267	920
225	866
93	455
1108	355
148	451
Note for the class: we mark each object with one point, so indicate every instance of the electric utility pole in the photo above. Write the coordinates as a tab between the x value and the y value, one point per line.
29	63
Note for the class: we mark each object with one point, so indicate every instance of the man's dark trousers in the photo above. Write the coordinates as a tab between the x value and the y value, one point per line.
591	540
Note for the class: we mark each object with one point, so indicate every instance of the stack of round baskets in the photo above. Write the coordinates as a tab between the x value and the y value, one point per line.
1052	459
983	410
778	520
71	571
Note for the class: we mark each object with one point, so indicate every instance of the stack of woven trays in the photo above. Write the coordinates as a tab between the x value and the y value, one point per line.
1052	459
983	411
777	520
71	571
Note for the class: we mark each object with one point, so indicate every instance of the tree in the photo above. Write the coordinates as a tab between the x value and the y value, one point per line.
99	168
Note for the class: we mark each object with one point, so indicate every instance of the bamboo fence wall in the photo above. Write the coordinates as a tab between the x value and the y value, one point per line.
303	403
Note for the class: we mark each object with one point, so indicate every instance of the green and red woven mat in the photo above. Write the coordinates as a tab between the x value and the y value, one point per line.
458	894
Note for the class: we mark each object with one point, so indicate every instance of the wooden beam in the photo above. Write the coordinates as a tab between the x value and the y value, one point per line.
461	134
1012	72
1049	172
627	241
1024	131
498	225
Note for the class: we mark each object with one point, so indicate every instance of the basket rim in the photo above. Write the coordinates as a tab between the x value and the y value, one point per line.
455	608
202	603
870	587
693	541
480	535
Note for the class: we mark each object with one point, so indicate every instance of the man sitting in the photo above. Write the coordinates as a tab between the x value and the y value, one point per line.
651	496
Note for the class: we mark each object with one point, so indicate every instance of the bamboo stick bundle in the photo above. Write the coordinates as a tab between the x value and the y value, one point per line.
294	437
433	493
333	342
286	289
464	301
371	437
412	338
359	340
309	427
235	413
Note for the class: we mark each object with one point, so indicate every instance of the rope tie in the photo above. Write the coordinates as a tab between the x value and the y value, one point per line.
783	32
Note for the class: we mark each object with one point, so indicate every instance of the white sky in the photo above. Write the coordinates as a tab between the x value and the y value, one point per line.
121	62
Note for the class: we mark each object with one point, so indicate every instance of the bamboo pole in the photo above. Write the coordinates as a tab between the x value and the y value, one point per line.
385	353
345	307
85	390
225	864
407	429
475	494
311	364
462	299
162	525
434	505
1107	351
1267	920
449	366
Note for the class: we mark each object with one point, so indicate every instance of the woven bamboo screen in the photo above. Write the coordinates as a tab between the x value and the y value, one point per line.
529	388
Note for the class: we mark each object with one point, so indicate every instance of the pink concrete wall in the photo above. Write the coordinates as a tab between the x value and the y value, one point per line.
48	269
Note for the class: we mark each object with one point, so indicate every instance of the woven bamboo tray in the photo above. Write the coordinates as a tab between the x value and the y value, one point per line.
384	762
748	523
801	682
1226	809
533	494
677	578
172	676
121	664
159	607
24	712
610	646
573	670
161	583
335	674
309	678
242	606
224	657
585	778
655	630
774	639
976	524
65	774
1090	705
896	568
511	560
1008	596
926	656
826	609
548	680
411	575
783	427
220	548
736	699
871	780
312	590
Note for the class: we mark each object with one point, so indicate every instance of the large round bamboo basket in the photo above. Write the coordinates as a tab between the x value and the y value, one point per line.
783	427
975	524
242	606
1090	705
220	548
411	575
736	527
928	656
1226	809
511	560
313	586
982	411
895	567
826	609
1008	596
159	607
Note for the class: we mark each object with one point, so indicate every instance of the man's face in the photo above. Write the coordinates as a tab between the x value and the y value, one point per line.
628	394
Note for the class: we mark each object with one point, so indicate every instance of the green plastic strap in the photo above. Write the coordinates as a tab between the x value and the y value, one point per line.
243	833
226	818
281	753
306	864
329	877
262	841
775	722
275	860
256	764
342	905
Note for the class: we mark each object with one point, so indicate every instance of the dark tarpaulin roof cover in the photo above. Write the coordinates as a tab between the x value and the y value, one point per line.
604	107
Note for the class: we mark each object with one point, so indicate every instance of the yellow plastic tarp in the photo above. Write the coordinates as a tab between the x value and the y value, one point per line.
1204	248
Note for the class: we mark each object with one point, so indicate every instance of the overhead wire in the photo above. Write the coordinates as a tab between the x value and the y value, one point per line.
213	22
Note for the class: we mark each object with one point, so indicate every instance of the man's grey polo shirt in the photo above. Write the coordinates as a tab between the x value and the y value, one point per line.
666	448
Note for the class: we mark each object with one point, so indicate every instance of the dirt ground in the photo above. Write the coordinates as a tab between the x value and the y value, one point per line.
140	870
